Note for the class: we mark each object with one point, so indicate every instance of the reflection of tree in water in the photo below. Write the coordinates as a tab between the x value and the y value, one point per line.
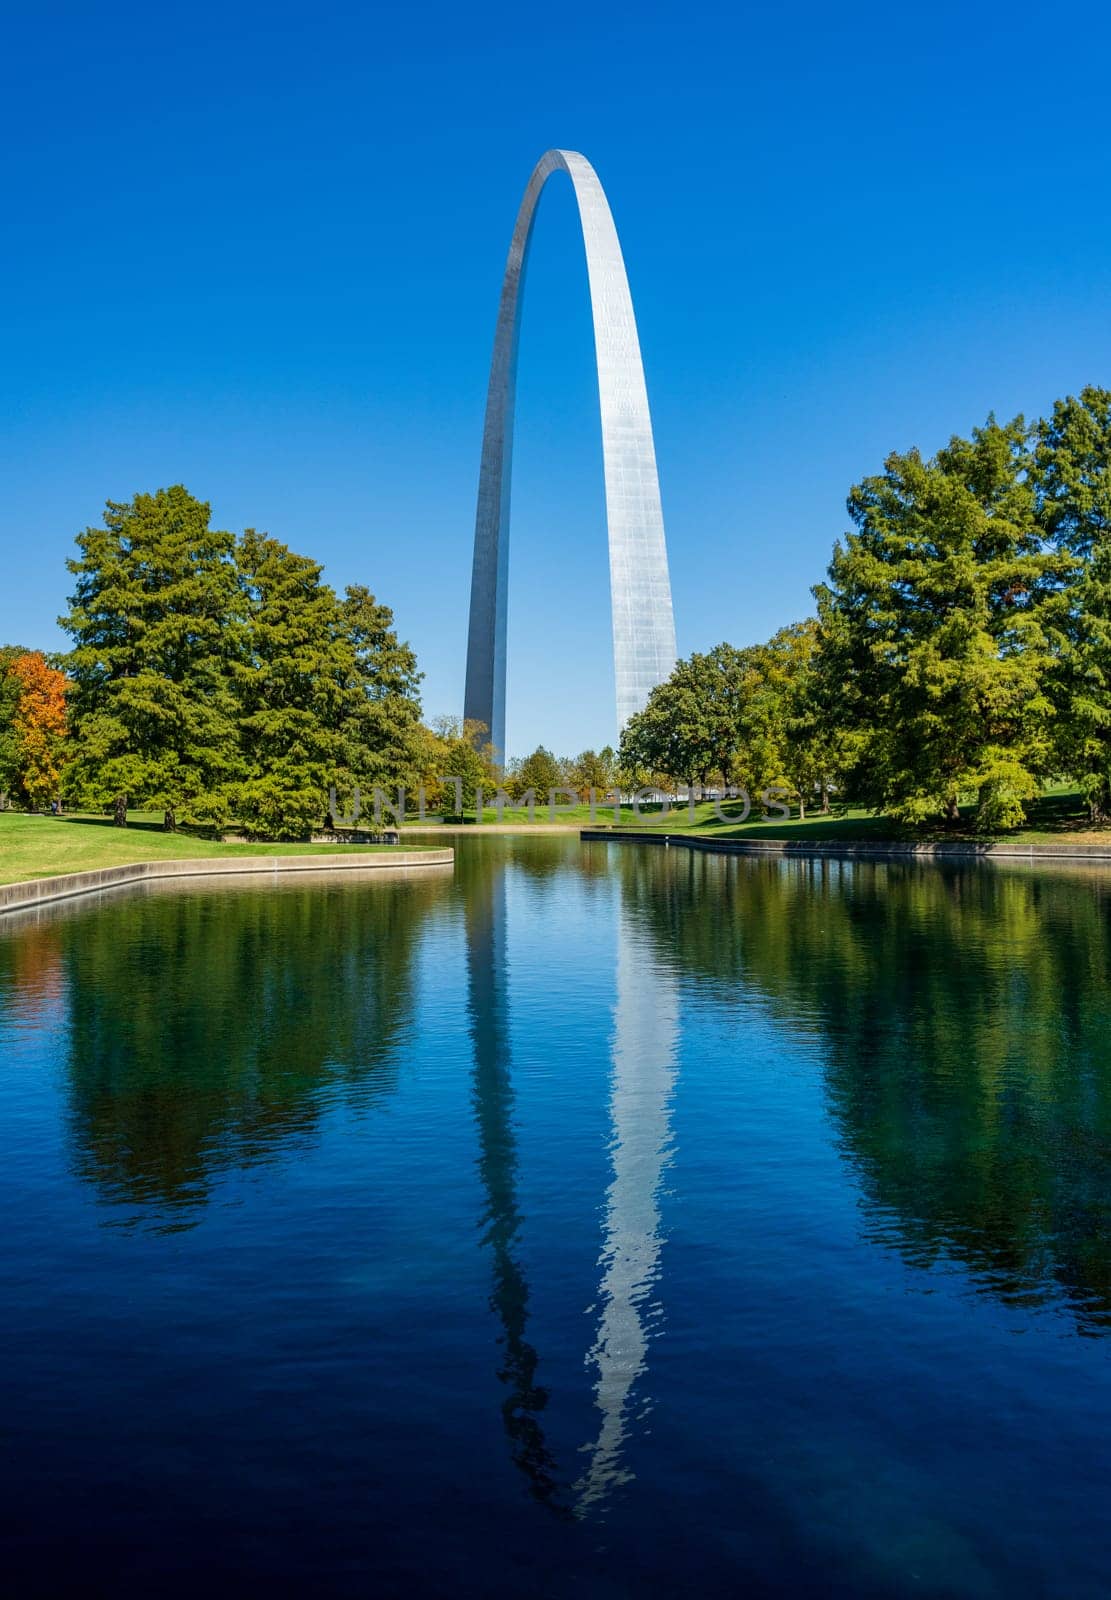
32	980
493	1098
964	1014
207	1028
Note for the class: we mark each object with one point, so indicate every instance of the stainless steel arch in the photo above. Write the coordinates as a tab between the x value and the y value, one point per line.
640	589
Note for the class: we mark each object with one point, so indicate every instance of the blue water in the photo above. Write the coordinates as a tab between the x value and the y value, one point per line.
588	1220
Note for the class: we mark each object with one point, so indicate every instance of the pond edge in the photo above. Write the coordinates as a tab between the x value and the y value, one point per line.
879	849
39	891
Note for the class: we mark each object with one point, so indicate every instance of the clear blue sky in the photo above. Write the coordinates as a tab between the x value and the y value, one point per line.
257	249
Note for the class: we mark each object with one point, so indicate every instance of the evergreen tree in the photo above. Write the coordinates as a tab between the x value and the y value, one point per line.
941	615
1081	684
1073	482
294	691
383	713
1072	471
155	625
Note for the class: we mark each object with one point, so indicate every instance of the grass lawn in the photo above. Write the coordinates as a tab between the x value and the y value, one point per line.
1059	813
40	847
843	824
568	816
651	816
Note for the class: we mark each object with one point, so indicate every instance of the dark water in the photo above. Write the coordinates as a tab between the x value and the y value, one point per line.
594	1220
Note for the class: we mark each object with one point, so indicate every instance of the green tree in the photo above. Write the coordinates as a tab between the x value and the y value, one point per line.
294	690
806	738
743	716
457	760
941	618
691	728
593	769
156	626
761	711
1073	483
1072	471
383	713
9	706
1081	684
540	771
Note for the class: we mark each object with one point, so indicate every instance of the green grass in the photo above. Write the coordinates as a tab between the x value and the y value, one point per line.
1057	814
569	816
517	816
844	824
40	847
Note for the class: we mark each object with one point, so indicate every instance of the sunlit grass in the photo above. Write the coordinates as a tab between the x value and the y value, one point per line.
1058	813
39	847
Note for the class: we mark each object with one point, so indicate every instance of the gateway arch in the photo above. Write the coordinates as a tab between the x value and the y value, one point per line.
640	589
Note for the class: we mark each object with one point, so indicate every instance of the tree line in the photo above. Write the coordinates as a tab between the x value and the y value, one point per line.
960	649
218	679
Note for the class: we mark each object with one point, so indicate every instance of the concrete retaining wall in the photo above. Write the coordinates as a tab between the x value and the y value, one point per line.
848	849
39	891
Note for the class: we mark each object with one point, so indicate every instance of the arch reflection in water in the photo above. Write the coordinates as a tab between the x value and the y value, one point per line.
645	1040
643	1071
493	1102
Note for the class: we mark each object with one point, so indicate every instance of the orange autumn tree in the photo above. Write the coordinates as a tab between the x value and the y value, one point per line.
32	744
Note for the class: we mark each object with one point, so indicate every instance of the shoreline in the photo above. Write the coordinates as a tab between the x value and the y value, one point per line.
849	849
471	828
66	886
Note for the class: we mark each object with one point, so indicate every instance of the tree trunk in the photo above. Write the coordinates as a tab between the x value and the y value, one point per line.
169	820
825	797
802	807
119	815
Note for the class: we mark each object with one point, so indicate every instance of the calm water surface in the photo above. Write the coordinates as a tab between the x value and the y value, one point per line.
588	1221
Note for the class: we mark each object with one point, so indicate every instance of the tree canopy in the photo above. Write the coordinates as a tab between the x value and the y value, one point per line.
156	621
961	650
960	655
942	611
219	678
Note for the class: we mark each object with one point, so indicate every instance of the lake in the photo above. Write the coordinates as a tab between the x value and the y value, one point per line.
588	1220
